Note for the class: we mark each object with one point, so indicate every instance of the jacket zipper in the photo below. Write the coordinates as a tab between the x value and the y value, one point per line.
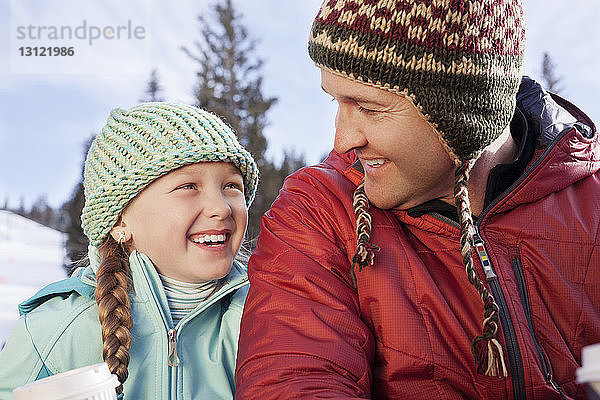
517	265
172	333
514	353
172	357
173	360
515	361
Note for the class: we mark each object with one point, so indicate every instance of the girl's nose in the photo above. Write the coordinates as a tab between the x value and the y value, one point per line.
216	206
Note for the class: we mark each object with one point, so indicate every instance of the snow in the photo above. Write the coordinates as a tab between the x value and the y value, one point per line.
31	256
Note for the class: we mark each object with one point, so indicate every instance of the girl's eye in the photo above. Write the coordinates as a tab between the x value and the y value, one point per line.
235	185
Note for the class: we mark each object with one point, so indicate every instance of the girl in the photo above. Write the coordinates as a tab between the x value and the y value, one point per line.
167	188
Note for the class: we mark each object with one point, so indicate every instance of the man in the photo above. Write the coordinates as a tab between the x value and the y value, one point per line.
450	246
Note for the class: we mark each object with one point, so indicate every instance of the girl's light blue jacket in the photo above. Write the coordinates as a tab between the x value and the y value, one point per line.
59	330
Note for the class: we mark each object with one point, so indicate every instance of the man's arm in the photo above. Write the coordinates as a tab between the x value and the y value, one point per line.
301	333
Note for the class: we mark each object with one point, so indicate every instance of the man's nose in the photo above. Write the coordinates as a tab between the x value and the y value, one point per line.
348	131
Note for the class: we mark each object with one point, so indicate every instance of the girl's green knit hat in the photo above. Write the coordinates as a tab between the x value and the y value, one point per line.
139	145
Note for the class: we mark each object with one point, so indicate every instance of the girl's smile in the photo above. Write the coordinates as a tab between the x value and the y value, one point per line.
190	222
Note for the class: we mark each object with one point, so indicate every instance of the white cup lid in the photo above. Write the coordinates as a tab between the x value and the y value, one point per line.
77	383
590	364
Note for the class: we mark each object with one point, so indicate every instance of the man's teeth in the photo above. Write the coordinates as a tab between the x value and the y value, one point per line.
376	162
209	239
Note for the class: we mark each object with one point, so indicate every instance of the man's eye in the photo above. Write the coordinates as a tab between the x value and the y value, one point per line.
366	110
187	186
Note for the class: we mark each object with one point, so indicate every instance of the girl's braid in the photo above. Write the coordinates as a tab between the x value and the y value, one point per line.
114	307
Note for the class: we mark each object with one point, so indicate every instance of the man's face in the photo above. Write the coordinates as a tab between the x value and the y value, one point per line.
404	161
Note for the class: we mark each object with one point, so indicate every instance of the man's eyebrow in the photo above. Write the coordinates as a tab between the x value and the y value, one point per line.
357	99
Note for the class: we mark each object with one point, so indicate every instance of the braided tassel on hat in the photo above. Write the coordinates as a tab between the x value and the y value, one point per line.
487	351
365	251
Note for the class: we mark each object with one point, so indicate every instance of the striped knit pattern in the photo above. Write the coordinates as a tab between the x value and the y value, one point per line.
184	297
139	145
459	61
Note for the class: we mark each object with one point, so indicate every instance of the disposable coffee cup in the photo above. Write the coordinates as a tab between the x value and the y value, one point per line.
589	372
94	382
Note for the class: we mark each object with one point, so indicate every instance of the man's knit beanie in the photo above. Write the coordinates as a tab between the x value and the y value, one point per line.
139	145
459	62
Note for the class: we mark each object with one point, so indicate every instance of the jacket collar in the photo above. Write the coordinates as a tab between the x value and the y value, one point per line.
145	276
549	115
569	147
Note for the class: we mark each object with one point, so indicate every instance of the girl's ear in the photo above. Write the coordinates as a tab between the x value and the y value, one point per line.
120	232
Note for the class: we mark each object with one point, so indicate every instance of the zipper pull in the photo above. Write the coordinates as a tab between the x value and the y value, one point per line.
173	358
483	257
554	385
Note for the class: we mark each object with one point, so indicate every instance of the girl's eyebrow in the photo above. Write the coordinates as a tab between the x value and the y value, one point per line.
182	174
179	175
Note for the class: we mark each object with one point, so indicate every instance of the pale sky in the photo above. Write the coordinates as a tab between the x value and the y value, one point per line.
45	117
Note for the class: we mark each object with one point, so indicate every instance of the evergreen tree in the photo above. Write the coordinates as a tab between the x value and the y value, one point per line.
153	89
291	162
77	243
42	213
230	85
21	209
552	82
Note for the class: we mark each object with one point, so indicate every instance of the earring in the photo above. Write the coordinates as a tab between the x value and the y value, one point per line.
121	239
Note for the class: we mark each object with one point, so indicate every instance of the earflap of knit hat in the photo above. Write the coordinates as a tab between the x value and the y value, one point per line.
139	145
458	61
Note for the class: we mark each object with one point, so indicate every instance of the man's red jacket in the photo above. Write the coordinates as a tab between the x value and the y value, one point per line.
405	332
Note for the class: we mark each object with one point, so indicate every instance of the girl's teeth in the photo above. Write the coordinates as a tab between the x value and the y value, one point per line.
209	238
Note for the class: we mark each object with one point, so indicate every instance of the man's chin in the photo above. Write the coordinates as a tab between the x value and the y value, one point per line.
379	200
386	198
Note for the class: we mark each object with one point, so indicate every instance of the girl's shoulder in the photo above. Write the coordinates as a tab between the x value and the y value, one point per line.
58	330
56	291
61	321
56	311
